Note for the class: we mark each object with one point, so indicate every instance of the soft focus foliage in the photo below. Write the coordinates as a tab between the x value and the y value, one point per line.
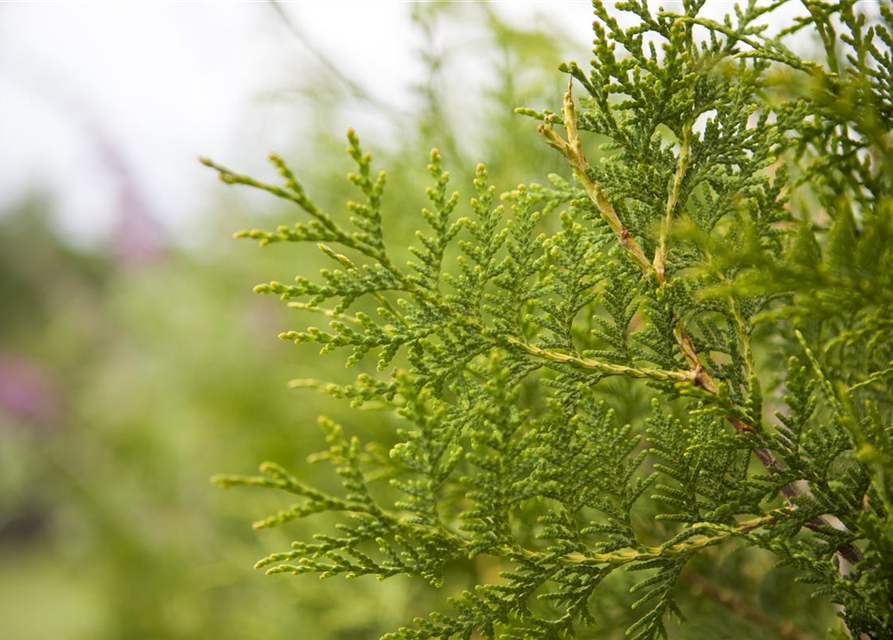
129	376
605	392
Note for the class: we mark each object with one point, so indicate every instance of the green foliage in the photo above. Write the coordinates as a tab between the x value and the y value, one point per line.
86	557
736	223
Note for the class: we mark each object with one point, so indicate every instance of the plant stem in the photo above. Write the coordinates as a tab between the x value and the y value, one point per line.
603	367
682	164
572	150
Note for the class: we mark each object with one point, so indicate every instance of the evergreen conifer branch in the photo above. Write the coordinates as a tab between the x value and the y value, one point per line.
768	214
572	151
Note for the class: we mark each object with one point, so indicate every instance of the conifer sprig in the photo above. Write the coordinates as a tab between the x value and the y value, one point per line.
731	224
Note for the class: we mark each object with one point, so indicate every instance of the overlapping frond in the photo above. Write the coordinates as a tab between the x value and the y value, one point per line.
732	225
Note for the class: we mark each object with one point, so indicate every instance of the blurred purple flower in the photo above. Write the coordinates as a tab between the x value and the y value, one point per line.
28	390
137	237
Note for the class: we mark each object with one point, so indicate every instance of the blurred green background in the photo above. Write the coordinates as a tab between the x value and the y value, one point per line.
132	371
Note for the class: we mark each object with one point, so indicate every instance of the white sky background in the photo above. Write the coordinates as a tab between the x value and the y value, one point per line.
163	82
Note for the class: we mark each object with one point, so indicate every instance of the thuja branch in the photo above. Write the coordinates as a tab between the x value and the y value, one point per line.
692	539
682	163
507	446
602	367
695	537
572	150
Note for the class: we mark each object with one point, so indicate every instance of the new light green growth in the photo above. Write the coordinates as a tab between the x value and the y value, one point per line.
729	257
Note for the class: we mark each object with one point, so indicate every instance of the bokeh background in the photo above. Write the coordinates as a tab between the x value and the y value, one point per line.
135	362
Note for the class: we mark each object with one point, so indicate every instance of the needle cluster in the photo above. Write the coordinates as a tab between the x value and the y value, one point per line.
730	256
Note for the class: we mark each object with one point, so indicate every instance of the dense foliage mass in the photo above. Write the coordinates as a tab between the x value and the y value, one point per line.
731	259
